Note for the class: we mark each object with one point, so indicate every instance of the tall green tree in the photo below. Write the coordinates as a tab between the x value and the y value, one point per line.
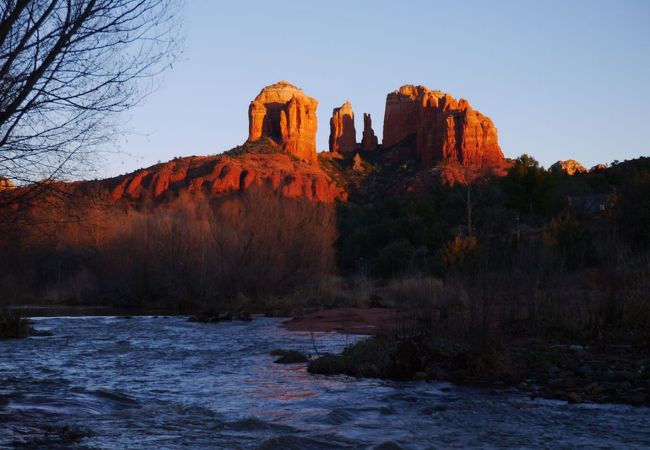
528	186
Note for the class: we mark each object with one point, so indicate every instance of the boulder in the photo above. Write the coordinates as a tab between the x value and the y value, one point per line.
369	140
569	167
289	356
283	113
343	136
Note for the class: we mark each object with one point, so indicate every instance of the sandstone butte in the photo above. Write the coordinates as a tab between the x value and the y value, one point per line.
444	129
283	113
343	136
569	167
369	140
280	153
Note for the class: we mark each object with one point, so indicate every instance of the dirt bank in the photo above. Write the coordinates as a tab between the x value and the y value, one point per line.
345	320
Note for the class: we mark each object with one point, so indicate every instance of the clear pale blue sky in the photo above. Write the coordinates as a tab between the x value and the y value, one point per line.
560	79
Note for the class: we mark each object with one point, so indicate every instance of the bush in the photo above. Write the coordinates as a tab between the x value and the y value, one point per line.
460	252
414	292
394	258
13	326
572	239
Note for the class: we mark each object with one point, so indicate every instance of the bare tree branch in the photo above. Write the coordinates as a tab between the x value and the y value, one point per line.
66	68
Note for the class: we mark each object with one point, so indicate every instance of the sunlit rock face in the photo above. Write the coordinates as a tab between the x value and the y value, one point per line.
569	167
5	184
224	174
343	135
285	114
444	128
369	140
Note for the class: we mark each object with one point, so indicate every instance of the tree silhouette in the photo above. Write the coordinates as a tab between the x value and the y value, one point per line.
528	185
66	68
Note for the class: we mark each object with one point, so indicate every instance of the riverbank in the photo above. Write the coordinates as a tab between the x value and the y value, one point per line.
109	383
345	320
610	370
600	371
575	373
85	310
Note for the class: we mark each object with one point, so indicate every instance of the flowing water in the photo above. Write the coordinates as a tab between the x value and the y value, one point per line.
165	383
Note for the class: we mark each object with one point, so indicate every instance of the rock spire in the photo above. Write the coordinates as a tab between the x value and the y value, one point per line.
343	136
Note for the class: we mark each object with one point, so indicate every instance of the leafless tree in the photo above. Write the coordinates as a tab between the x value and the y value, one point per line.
66	68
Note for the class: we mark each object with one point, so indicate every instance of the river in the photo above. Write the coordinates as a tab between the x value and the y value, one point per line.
164	383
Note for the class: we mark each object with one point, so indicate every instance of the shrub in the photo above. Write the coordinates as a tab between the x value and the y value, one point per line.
460	252
572	239
14	326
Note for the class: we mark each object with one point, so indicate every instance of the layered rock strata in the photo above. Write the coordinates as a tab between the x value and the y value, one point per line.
283	113
224	174
445	129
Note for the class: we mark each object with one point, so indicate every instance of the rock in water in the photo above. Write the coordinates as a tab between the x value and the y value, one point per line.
285	114
343	136
368	141
445	129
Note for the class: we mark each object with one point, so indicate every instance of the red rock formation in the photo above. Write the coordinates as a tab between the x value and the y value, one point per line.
343	136
444	129
569	167
357	164
285	114
368	141
225	174
5	184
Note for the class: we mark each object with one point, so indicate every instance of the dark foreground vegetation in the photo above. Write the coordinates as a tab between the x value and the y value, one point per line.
192	255
13	326
537	279
540	281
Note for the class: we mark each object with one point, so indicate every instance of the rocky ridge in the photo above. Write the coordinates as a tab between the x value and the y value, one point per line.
225	174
